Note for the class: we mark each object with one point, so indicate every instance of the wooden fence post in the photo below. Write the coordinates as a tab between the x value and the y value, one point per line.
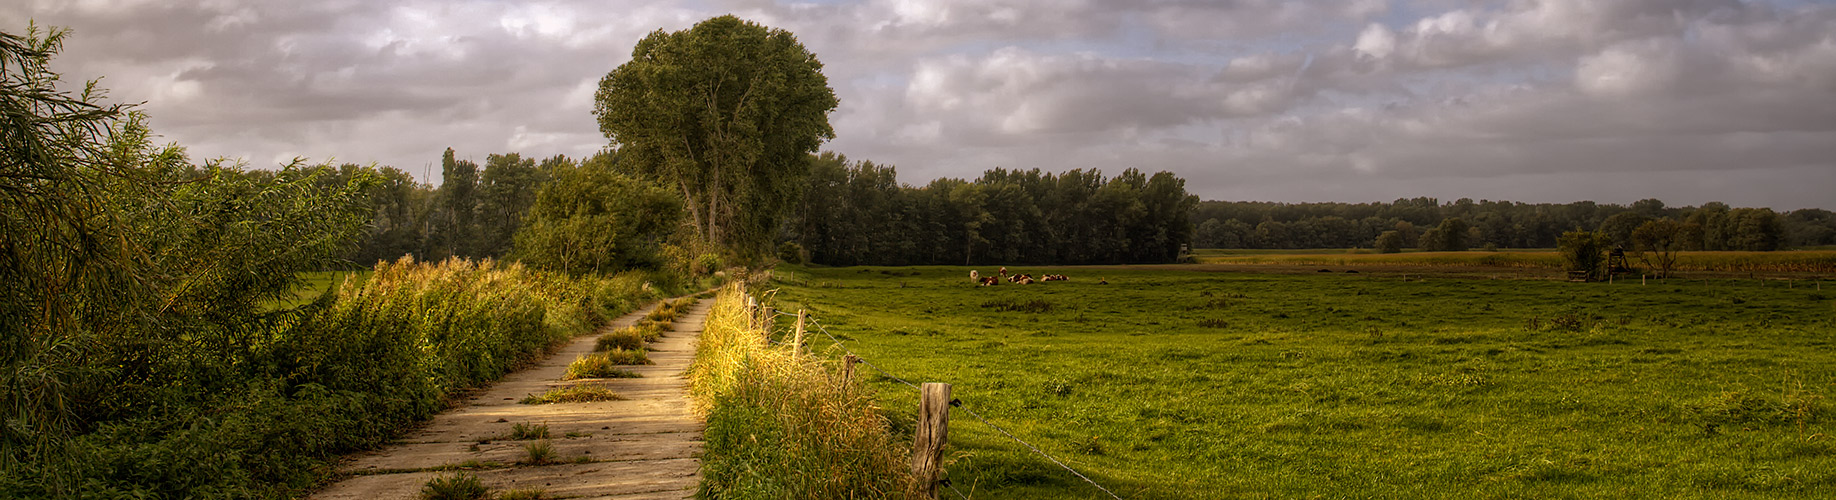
928	441
766	315
848	362
752	312
797	338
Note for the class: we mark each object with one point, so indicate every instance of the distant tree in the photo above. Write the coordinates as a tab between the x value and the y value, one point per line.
1389	242
458	204
727	114
506	190
1657	242
1809	227
1431	240
1584	253
1453	235
1410	235
1619	227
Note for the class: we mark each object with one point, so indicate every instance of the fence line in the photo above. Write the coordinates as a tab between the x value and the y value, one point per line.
958	403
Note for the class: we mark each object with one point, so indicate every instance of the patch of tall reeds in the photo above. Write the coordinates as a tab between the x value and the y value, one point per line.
783	426
342	373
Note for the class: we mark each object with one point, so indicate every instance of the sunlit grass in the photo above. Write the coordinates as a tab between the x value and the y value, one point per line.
1175	384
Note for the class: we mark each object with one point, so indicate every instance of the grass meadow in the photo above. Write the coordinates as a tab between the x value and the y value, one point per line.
1170	383
1718	262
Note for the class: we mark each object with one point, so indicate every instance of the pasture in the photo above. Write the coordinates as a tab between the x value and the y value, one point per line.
1174	383
1780	264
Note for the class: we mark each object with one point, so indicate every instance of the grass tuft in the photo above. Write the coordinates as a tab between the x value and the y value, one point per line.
455	487
1009	305
599	365
522	431
583	393
539	452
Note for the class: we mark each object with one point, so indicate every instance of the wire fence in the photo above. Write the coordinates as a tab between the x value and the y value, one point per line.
957	403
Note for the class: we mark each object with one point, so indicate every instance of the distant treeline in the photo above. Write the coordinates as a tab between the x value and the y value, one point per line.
857	213
474	213
1419	222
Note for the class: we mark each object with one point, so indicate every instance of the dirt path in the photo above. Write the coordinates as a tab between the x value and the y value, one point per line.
642	447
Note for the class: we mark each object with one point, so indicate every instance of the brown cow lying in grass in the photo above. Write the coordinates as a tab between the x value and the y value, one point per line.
990	281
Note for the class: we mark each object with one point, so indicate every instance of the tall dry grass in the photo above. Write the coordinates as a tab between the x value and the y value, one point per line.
782	427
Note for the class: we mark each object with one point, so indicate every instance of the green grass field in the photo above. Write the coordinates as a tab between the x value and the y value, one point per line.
316	283
1171	383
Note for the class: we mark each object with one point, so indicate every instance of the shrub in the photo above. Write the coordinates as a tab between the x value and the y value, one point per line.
1584	254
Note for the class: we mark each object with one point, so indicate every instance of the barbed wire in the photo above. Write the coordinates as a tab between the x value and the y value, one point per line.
844	348
952	487
958	403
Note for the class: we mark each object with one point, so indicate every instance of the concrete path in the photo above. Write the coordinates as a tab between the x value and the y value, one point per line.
642	447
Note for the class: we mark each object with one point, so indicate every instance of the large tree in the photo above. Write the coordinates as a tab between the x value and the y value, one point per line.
727	113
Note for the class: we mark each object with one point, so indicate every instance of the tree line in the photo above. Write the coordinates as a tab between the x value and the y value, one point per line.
1428	224
857	213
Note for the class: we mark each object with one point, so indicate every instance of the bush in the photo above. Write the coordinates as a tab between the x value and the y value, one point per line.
791	253
1584	254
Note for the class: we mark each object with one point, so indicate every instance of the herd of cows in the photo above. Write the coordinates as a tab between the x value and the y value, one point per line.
1018	279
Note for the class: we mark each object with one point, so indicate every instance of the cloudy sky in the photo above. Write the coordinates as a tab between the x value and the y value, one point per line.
1287	100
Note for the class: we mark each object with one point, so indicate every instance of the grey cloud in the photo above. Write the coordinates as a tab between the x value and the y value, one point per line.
1260	99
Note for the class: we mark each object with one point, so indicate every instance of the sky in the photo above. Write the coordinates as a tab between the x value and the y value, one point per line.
1687	101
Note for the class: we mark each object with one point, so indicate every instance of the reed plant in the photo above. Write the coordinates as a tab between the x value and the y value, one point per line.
783	426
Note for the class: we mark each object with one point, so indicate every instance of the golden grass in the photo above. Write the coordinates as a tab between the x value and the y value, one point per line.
583	393
768	410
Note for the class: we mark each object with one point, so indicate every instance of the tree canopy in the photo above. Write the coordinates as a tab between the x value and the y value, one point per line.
726	113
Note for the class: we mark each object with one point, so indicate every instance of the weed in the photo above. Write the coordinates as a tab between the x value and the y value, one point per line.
597	365
455	487
583	393
539	452
1034	306
623	338
522	431
1214	323
524	494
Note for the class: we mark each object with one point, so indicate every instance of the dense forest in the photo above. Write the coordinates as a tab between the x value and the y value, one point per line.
856	213
1499	224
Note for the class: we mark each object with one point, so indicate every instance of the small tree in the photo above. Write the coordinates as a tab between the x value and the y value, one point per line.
591	219
1432	240
1657	242
1453	235
1390	242
1584	253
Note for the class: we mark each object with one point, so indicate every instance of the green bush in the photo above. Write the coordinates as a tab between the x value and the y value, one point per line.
1584	254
